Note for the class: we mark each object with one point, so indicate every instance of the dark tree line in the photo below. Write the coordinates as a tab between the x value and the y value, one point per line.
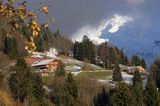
135	94
137	61
102	54
25	85
85	50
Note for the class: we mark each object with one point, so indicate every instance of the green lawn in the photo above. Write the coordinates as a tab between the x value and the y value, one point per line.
98	75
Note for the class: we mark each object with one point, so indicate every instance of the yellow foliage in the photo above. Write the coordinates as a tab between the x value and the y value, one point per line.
12	14
45	9
46	25
5	99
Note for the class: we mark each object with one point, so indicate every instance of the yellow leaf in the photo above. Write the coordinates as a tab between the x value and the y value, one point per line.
46	25
35	33
45	9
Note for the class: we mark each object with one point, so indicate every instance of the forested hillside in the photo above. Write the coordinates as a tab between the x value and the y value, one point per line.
45	81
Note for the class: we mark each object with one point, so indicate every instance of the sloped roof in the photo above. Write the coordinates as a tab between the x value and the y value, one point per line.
31	60
42	62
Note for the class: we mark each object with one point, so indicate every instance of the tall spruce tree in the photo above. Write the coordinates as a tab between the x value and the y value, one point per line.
10	47
1	79
151	92
136	60
36	92
138	89
123	96
156	67
71	91
143	63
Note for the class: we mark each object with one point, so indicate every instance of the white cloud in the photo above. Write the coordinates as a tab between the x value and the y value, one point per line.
94	33
135	2
118	21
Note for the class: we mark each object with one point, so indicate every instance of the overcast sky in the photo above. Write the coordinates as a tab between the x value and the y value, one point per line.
130	24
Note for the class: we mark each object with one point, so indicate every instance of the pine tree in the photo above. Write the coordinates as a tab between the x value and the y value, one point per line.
102	99
151	92
85	49
136	60
1	78
71	91
117	76
143	63
138	89
123	96
158	77
10	47
39	44
36	92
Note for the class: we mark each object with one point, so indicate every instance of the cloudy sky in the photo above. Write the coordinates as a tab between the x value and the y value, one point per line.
133	25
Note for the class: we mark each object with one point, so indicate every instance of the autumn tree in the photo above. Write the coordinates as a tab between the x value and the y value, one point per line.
103	53
88	89
57	95
5	99
14	18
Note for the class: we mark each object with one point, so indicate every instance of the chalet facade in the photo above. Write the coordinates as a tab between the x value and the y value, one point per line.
45	67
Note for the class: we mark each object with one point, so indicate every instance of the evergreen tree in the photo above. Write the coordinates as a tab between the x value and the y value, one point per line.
39	44
158	77
138	89
18	80
156	67
10	47
123	96
143	63
136	60
126	61
71	91
85	49
75	49
151	92
1	78
102	99
117	76
36	92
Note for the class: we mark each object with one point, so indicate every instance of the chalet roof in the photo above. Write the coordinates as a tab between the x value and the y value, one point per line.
42	62
31	60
